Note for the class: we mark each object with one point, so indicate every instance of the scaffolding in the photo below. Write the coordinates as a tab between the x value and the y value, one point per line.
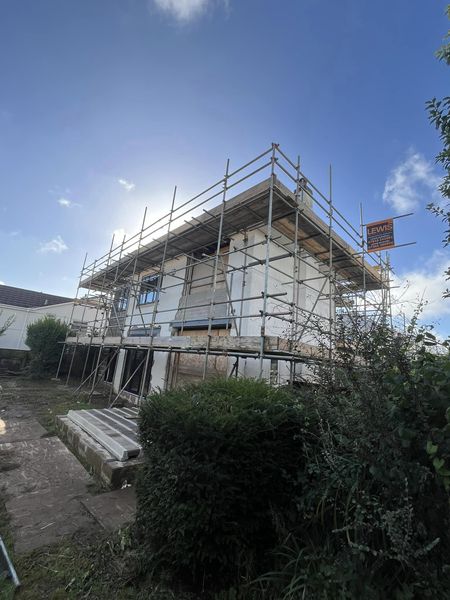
264	221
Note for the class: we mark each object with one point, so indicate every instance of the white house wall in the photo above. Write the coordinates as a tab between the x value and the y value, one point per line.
241	282
277	283
137	316
15	336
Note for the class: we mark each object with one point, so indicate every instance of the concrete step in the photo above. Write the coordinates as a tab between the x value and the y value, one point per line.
121	445
128	423
101	462
118	423
127	412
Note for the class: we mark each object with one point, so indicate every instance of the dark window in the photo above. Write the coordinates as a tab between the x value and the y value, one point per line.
121	299
134	371
110	364
149	289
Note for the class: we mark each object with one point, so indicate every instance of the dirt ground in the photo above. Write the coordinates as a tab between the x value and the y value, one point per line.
22	397
43	487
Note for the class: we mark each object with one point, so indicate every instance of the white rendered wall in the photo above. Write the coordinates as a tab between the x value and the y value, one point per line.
15	335
278	282
138	316
243	283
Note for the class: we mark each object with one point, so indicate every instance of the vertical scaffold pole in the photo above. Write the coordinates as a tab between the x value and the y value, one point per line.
363	258
138	250
295	275
267	260
243	281
241	300
158	294
90	339
97	309
389	298
71	318
100	349
216	268
330	266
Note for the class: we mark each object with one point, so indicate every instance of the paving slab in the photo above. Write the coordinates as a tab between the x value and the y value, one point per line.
41	481
14	412
18	430
44	517
112	510
41	464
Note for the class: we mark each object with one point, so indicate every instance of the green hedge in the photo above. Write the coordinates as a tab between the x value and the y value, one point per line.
221	467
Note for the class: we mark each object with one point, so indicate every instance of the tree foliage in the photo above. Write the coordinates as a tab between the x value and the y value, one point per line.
44	339
439	115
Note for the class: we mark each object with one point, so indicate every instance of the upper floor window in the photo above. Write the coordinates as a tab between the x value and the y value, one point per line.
121	299
149	289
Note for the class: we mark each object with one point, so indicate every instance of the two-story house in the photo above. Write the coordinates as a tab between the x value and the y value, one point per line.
238	281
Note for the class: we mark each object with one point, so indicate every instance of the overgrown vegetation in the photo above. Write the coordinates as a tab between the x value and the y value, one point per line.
44	339
374	520
341	491
93	568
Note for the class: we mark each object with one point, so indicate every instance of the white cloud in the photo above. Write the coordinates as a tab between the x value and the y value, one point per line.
2	283
183	10
412	183
127	185
427	283
66	203
56	245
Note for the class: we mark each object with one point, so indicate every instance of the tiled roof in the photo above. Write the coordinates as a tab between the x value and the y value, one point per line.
27	298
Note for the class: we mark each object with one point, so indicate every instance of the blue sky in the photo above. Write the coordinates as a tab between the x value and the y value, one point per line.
105	105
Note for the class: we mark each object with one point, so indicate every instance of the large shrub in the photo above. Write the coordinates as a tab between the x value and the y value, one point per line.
342	493
222	459
373	515
44	339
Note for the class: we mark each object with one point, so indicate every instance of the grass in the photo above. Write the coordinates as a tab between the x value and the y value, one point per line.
81	568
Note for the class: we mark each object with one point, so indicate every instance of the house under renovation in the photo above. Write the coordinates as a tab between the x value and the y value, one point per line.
247	278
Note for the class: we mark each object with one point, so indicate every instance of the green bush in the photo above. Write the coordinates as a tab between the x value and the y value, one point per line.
373	515
44	339
222	459
339	493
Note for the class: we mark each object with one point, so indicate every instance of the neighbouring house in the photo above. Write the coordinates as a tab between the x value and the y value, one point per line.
22	307
244	279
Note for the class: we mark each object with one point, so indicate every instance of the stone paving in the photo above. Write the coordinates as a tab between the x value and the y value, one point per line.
46	490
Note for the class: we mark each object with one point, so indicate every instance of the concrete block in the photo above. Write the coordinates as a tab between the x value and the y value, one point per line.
102	463
121	446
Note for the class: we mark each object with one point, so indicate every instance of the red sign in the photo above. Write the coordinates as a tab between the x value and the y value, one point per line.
380	235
